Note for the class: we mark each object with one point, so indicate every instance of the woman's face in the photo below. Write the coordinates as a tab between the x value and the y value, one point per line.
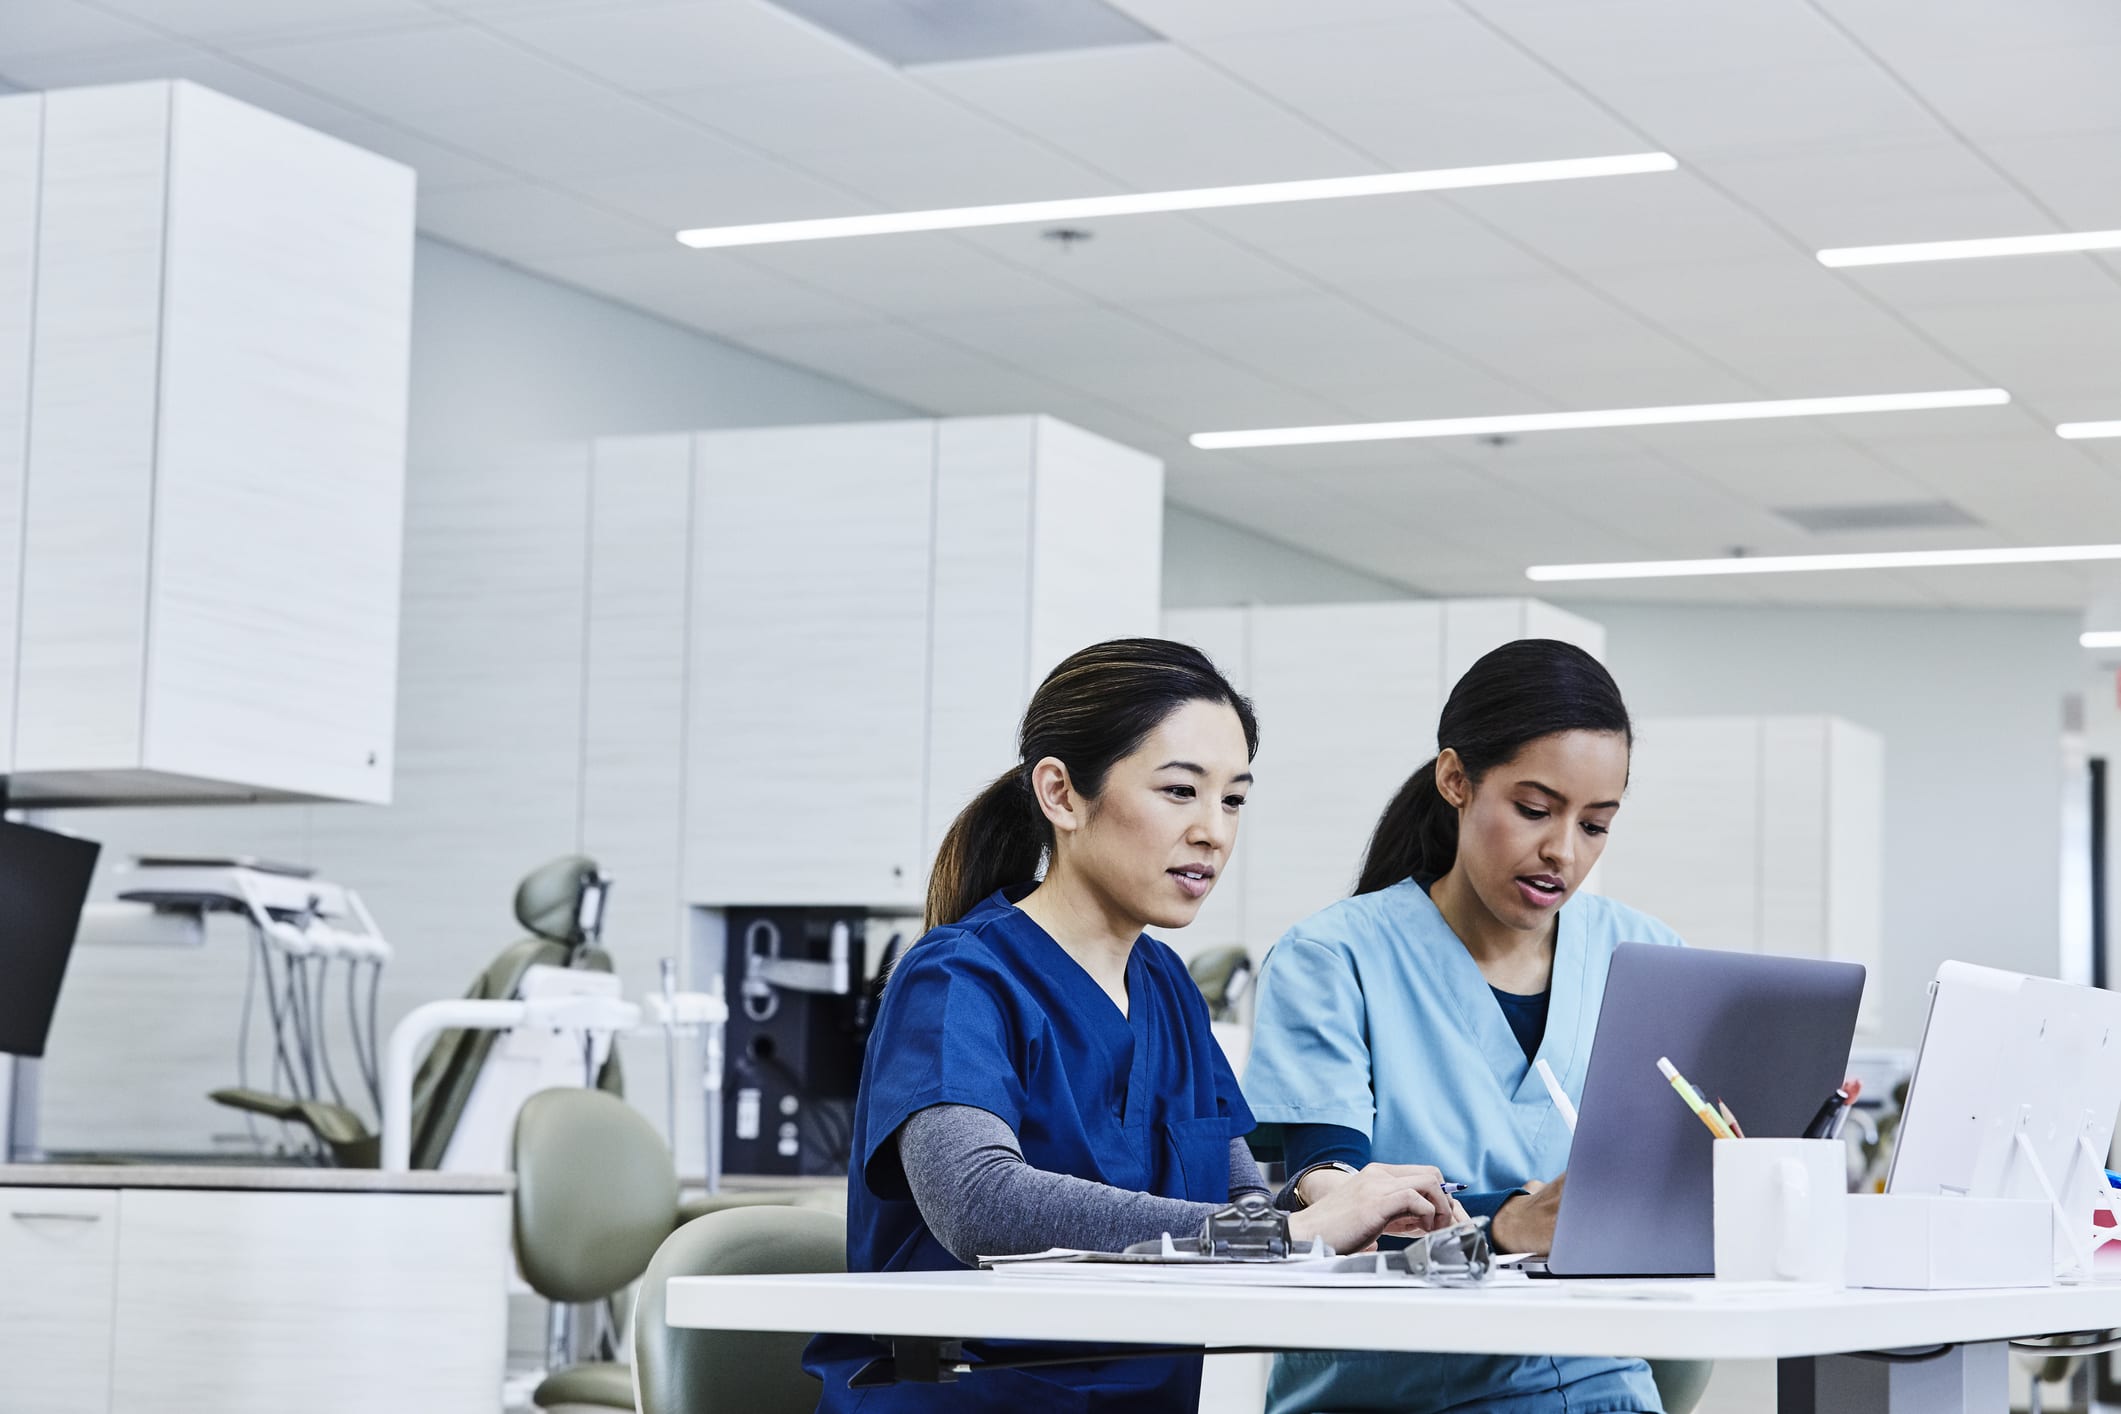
1160	832
1536	824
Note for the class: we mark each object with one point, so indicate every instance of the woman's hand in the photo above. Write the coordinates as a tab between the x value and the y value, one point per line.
1350	1210
1526	1224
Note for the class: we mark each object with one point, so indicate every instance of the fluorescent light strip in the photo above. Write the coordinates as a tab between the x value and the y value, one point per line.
2103	638
1612	417
1796	564
1086	208
2061	243
2086	431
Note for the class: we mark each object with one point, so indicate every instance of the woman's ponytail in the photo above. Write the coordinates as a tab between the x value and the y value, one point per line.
998	839
1098	706
1417	834
1522	691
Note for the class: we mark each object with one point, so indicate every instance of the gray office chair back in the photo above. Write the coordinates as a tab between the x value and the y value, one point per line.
596	1192
731	1372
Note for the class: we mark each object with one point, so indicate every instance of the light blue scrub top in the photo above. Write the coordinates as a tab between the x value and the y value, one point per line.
1373	1016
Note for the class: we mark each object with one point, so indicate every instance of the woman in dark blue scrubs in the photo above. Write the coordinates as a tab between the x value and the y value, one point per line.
1041	1072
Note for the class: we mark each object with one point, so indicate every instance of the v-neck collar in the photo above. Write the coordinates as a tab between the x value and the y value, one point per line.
1096	1010
1480	1014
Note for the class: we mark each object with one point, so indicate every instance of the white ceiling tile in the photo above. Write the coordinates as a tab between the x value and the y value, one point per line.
586	134
1380	239
852	112
519	220
1672	218
1806	185
1638	39
1152	116
975	163
31	27
1898	28
2035	280
218	20
2075	343
1203	19
2021	92
914	279
1438	54
1144	260
1417	131
1754	109
686	44
2075	175
738	188
409	72
1830	474
721	296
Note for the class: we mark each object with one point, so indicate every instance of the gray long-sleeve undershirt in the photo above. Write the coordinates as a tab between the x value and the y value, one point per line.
980	1198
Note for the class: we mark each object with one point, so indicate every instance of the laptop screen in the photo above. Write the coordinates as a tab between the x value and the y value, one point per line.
44	879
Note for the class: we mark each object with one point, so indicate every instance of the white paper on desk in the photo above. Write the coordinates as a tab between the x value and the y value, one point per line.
1068	1264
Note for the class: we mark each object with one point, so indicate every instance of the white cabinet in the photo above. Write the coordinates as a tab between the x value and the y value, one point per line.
1348	696
204	332
1757	834
59	1250
871	606
177	1297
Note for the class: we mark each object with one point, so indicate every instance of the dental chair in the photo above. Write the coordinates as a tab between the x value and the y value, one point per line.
561	904
596	1195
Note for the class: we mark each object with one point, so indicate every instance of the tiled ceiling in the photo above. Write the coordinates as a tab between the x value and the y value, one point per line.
572	137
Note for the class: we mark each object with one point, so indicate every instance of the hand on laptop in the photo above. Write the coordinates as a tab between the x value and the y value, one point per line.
1349	1210
1527	1224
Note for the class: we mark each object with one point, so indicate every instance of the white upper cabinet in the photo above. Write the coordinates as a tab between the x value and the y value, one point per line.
205	316
1348	696
871	606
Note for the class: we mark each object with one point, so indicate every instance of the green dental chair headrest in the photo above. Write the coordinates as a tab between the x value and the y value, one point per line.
549	900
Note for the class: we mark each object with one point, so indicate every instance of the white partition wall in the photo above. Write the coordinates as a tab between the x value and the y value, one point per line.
837	628
204	324
1757	834
1348	696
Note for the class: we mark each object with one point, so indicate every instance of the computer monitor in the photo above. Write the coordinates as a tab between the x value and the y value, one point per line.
2014	1095
44	879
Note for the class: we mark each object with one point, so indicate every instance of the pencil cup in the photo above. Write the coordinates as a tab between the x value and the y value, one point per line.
1781	1210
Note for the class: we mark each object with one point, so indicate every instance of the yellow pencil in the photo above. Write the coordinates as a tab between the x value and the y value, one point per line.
1693	1101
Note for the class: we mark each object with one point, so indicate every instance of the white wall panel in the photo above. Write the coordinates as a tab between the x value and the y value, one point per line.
21	147
805	756
1685	845
1855	882
279	483
92	422
1225	636
1097	556
982	611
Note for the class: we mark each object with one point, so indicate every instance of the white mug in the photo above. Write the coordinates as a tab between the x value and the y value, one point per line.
1780	1210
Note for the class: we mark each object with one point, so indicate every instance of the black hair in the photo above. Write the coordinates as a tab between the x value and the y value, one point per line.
1098	706
1520	692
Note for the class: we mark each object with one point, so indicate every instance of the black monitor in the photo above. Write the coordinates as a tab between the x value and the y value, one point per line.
44	880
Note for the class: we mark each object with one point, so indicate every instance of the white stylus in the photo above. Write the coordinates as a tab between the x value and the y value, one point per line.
1556	1093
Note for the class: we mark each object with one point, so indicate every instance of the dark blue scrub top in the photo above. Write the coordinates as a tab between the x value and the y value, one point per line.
991	1012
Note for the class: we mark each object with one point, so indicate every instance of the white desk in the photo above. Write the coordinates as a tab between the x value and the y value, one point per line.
1656	1319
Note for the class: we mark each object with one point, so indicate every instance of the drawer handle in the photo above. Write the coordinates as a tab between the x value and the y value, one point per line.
22	1217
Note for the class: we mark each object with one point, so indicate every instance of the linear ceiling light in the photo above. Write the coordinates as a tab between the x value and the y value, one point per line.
1085	208
2061	243
2102	638
2085	431
1794	564
1611	417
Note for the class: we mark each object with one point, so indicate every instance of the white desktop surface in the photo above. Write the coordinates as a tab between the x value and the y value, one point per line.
1663	1319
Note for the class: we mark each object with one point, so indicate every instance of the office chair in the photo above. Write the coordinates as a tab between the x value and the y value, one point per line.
732	1372
596	1195
1224	975
560	903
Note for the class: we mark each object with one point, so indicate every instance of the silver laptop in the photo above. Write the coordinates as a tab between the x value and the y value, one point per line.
1768	1035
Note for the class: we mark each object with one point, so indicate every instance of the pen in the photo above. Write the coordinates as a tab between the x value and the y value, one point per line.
1827	1122
1693	1101
1450	1188
1559	1096
1730	1119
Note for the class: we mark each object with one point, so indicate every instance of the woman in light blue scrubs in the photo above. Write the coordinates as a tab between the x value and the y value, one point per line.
1401	1024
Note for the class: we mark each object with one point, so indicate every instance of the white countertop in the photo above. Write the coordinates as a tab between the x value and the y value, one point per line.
259	1178
1670	1319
